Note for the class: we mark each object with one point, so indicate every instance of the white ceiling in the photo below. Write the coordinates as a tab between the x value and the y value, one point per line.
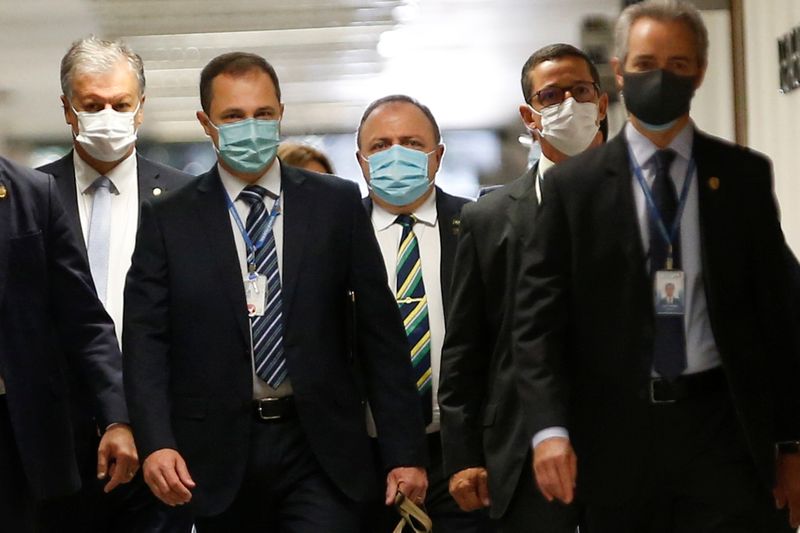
460	57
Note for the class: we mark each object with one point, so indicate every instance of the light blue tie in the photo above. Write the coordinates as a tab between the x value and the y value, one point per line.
100	235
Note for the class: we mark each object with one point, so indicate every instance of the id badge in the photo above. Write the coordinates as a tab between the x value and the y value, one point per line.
255	292
670	296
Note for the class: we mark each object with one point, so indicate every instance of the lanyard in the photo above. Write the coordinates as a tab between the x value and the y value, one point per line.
655	215
253	247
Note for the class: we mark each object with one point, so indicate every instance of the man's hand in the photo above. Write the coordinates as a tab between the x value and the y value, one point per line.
410	480
555	467
470	488
166	474
116	456
787	486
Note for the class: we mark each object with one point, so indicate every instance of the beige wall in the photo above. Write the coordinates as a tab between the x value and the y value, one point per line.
773	118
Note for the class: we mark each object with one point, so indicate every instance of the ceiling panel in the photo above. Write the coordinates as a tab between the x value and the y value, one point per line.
461	57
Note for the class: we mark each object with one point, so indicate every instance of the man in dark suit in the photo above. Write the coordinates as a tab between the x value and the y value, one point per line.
236	369
103	87
661	422
485	441
416	224
50	318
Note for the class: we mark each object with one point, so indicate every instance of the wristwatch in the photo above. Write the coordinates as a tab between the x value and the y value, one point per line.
788	446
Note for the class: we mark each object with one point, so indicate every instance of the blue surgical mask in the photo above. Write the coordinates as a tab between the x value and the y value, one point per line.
399	175
249	145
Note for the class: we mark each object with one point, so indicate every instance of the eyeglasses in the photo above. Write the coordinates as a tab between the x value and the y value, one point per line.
583	91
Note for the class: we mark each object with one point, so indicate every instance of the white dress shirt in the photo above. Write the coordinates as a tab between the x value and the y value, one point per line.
426	229
544	165
124	223
701	348
271	181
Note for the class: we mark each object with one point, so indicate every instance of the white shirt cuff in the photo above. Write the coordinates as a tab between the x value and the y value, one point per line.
549	433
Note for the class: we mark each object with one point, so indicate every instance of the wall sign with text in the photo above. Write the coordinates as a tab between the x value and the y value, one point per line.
789	60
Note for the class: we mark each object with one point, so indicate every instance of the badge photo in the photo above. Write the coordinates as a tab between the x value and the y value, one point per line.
669	293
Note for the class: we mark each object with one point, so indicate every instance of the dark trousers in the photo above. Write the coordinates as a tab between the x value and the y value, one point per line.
447	517
699	477
529	512
285	489
129	508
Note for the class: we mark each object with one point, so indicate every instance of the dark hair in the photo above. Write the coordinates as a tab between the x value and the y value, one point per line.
234	64
437	135
550	53
299	155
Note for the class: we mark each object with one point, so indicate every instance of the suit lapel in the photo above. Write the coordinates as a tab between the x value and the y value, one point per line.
707	201
149	186
447	214
621	201
524	205
212	212
298	206
64	175
5	231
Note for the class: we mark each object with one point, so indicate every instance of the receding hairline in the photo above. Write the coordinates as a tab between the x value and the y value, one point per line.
383	105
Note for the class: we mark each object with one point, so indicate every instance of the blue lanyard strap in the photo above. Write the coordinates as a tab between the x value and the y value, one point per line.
253	247
655	215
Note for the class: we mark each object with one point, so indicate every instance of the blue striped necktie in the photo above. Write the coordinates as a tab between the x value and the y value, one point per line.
413	306
267	330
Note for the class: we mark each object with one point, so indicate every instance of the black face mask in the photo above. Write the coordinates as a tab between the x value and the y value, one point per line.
657	97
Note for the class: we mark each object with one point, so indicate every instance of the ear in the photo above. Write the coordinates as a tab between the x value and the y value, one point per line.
139	118
531	121
438	154
602	107
204	121
619	68
700	77
69	116
363	164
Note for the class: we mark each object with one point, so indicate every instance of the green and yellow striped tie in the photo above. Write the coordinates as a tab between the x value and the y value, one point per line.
413	306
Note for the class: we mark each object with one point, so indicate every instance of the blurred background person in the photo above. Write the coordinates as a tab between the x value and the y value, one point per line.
304	156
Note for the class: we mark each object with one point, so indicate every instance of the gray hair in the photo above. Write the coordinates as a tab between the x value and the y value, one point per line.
663	10
94	55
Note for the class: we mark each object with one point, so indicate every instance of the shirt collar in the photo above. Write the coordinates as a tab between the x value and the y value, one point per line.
644	149
122	177
270	180
425	213
544	165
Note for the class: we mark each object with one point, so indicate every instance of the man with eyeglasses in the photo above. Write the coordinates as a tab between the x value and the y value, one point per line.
416	224
683	417
241	395
487	447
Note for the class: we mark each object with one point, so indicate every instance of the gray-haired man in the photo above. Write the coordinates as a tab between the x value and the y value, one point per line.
102	183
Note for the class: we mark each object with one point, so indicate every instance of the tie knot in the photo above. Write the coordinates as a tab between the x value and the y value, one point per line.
664	159
253	193
407	221
102	182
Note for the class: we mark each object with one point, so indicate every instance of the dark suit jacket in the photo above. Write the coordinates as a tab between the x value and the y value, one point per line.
482	422
584	321
186	338
152	177
48	307
448	212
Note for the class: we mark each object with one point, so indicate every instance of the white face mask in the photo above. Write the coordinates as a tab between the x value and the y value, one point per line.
106	135
571	126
